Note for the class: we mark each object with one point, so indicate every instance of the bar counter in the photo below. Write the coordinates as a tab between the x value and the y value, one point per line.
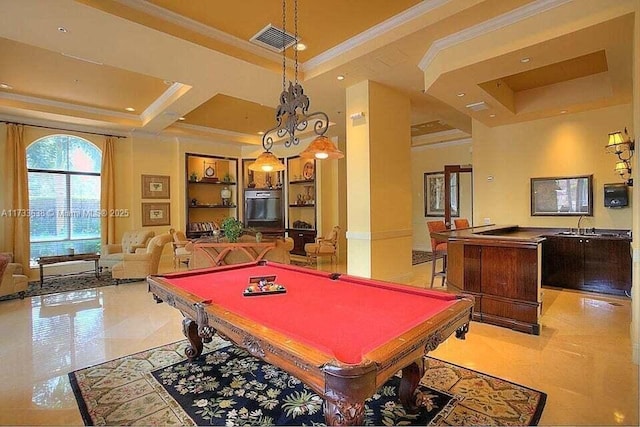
500	265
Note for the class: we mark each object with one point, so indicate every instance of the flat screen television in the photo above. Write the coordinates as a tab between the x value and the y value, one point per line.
562	196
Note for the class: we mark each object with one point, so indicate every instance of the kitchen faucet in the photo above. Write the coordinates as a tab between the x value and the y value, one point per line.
579	221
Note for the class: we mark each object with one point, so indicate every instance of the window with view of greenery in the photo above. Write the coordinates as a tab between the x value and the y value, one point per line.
64	195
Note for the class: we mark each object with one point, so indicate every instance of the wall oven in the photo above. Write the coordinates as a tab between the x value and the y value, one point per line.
263	209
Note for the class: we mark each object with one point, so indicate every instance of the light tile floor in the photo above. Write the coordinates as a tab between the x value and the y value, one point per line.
582	359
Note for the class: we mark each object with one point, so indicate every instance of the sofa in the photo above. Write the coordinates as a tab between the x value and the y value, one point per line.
132	240
204	253
12	281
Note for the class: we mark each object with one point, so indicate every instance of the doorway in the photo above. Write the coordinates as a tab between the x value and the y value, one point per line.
458	193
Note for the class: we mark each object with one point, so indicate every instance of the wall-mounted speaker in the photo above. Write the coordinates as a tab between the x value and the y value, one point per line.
616	195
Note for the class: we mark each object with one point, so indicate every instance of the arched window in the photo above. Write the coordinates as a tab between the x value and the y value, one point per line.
64	195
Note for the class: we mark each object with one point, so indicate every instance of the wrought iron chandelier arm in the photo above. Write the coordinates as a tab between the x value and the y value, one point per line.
320	127
267	140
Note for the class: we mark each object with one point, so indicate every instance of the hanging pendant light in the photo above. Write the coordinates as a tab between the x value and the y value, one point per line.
292	113
267	162
322	148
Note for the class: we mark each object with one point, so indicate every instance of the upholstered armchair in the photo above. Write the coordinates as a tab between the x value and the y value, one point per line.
142	263
180	251
324	246
12	281
132	240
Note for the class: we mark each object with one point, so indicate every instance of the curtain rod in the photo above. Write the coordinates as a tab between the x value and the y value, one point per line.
66	130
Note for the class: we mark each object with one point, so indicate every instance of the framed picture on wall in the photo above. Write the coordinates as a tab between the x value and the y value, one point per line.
434	194
156	214
155	187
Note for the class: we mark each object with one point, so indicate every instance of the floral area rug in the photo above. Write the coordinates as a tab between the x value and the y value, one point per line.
419	257
72	282
228	386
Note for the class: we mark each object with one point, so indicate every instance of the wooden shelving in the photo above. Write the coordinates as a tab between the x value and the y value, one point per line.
301	197
208	179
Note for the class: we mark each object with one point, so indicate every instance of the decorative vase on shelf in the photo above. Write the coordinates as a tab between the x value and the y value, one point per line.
308	197
225	193
258	237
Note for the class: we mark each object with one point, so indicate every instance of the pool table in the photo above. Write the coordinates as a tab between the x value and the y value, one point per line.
343	336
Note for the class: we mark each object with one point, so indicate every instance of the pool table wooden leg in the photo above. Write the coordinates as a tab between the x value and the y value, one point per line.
411	376
190	330
343	413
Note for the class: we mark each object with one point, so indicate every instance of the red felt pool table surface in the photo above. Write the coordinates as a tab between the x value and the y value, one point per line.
347	317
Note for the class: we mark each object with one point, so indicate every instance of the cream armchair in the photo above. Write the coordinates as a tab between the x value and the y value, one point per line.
324	246
12	281
132	240
143	262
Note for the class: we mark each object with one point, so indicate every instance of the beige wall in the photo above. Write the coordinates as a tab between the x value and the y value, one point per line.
635	132
567	145
433	158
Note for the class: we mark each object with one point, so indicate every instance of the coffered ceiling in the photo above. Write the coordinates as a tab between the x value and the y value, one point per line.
82	63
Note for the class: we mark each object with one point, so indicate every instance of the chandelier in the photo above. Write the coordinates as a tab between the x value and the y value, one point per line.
292	115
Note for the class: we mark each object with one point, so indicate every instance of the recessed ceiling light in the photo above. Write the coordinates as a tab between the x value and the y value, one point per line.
130	109
181	118
5	86
340	77
260	133
63	30
461	94
492	115
525	60
563	111
300	46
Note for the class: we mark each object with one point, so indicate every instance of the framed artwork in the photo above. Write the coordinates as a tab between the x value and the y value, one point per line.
562	196
156	214
434	194
155	187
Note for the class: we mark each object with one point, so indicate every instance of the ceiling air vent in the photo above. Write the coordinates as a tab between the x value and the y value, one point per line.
272	38
478	106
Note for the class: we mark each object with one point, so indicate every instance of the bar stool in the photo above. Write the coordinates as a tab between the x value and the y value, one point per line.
461	223
439	251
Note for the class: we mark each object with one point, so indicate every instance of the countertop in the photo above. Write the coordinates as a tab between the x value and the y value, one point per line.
531	235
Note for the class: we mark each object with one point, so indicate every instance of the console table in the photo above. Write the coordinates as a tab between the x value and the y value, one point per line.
216	252
56	259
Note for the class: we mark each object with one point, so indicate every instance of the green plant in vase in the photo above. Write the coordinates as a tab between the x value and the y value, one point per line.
232	229
227	177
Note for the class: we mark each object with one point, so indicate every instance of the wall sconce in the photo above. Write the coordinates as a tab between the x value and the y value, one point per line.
624	170
624	149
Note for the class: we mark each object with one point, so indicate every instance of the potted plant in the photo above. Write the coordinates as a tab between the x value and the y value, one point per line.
232	229
227	178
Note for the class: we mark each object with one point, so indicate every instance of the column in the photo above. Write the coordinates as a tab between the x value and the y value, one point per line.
379	228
